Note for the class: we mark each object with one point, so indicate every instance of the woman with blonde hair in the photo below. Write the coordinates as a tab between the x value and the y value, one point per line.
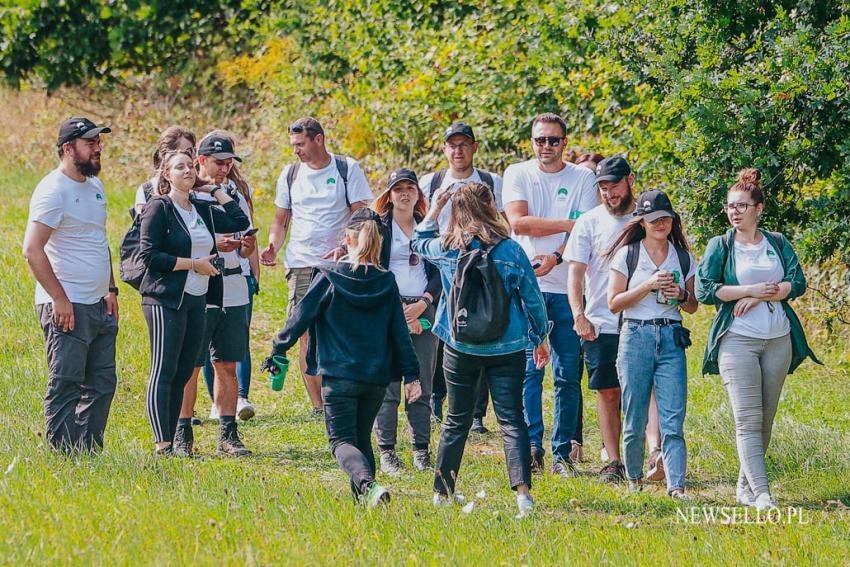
359	343
475	224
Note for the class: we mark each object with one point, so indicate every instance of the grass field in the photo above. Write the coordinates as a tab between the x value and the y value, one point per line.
289	504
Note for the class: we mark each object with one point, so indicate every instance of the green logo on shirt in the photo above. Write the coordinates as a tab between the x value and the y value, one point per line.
200	222
98	196
330	180
574	215
562	192
770	253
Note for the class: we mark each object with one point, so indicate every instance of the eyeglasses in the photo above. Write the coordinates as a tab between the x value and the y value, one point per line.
553	141
737	207
462	146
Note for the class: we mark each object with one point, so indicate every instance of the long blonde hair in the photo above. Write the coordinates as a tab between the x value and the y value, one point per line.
474	215
366	245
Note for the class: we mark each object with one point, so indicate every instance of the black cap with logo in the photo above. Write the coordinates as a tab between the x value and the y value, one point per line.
613	168
400	175
362	216
79	127
461	128
652	205
218	147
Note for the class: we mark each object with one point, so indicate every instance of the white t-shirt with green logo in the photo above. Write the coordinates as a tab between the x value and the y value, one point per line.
319	210
759	263
563	195
77	249
202	243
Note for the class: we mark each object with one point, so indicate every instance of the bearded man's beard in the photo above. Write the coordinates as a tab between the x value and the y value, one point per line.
87	168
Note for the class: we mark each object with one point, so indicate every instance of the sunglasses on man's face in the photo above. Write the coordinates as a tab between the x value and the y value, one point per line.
553	141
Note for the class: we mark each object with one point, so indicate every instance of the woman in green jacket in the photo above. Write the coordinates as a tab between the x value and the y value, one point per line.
756	339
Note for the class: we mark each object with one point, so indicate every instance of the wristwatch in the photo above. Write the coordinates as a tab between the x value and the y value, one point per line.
428	302
214	189
558	258
114	290
686	297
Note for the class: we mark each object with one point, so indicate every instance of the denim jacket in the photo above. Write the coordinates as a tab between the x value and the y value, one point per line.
527	322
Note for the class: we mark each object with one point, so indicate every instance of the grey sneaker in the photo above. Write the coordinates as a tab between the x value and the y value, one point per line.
229	442
184	442
444	500
525	503
680	496
564	468
745	496
244	409
635	486
390	463
317	413
376	495
478	426
421	459
612	473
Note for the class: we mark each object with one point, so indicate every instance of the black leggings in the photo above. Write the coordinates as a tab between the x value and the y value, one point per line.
175	336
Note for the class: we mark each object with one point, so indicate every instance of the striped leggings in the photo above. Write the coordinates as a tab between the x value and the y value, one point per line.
175	337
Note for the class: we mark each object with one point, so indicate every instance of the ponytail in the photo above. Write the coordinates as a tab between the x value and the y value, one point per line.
366	247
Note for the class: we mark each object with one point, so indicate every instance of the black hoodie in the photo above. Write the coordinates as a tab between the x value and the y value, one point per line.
356	325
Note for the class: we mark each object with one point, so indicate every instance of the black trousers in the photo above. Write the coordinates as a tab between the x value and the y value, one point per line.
81	380
176	336
504	375
350	411
482	394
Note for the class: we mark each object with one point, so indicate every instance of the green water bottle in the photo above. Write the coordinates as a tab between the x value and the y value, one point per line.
278	379
661	298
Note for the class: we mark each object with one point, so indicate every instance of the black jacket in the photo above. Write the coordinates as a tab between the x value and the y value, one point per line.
435	284
164	237
356	325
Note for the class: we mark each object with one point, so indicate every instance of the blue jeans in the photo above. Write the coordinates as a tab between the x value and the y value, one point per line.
648	356
243	369
566	370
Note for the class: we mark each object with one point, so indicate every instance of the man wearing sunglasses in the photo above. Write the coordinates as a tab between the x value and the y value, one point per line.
66	248
315	198
543	197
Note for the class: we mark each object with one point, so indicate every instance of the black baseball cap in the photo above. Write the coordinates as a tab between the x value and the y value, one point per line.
362	216
459	128
612	168
653	205
218	147
400	175
79	127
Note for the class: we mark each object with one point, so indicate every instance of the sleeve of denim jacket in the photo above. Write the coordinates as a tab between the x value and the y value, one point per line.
532	300
426	242
710	272
793	271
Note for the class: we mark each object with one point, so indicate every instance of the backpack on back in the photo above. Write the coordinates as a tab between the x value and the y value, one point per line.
341	166
478	303
131	269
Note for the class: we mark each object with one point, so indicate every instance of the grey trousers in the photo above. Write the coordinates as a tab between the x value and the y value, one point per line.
753	372
419	412
81	376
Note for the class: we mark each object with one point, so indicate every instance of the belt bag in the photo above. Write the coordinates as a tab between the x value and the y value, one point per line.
682	337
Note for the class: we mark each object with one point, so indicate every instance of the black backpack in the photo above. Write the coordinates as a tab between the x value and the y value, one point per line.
437	180
478	302
341	166
130	267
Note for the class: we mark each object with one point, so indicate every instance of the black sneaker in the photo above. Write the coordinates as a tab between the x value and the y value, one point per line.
478	426
229	442
184	441
564	468
613	473
537	465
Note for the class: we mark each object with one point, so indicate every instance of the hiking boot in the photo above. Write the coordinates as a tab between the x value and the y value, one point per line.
390	463
184	442
478	426
164	453
612	473
564	468
229	442
655	469
576	452
376	495
537	463
421	459
244	409
317	413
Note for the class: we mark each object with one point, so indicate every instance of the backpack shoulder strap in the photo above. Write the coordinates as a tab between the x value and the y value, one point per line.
684	261
290	179
487	179
147	189
342	167
436	181
632	255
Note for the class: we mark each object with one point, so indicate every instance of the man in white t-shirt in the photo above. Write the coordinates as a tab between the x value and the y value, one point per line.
315	197
66	248
543	197
593	233
459	147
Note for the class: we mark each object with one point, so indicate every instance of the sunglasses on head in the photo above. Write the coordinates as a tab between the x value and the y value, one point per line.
553	141
300	129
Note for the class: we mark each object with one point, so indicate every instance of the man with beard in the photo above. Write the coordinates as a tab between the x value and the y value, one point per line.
66	248
598	328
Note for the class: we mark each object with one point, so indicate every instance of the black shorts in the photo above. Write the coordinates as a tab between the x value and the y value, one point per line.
225	334
600	357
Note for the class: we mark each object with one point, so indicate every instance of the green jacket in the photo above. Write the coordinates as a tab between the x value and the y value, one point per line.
717	268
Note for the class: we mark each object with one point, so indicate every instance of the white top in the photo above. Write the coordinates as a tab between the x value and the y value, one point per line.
594	232
319	210
411	280
563	195
77	249
448	179
140	191
202	243
648	307
757	263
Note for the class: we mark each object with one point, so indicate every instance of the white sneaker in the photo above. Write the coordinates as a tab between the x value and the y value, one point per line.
244	409
745	497
525	503
603	454
444	500
213	413
765	501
